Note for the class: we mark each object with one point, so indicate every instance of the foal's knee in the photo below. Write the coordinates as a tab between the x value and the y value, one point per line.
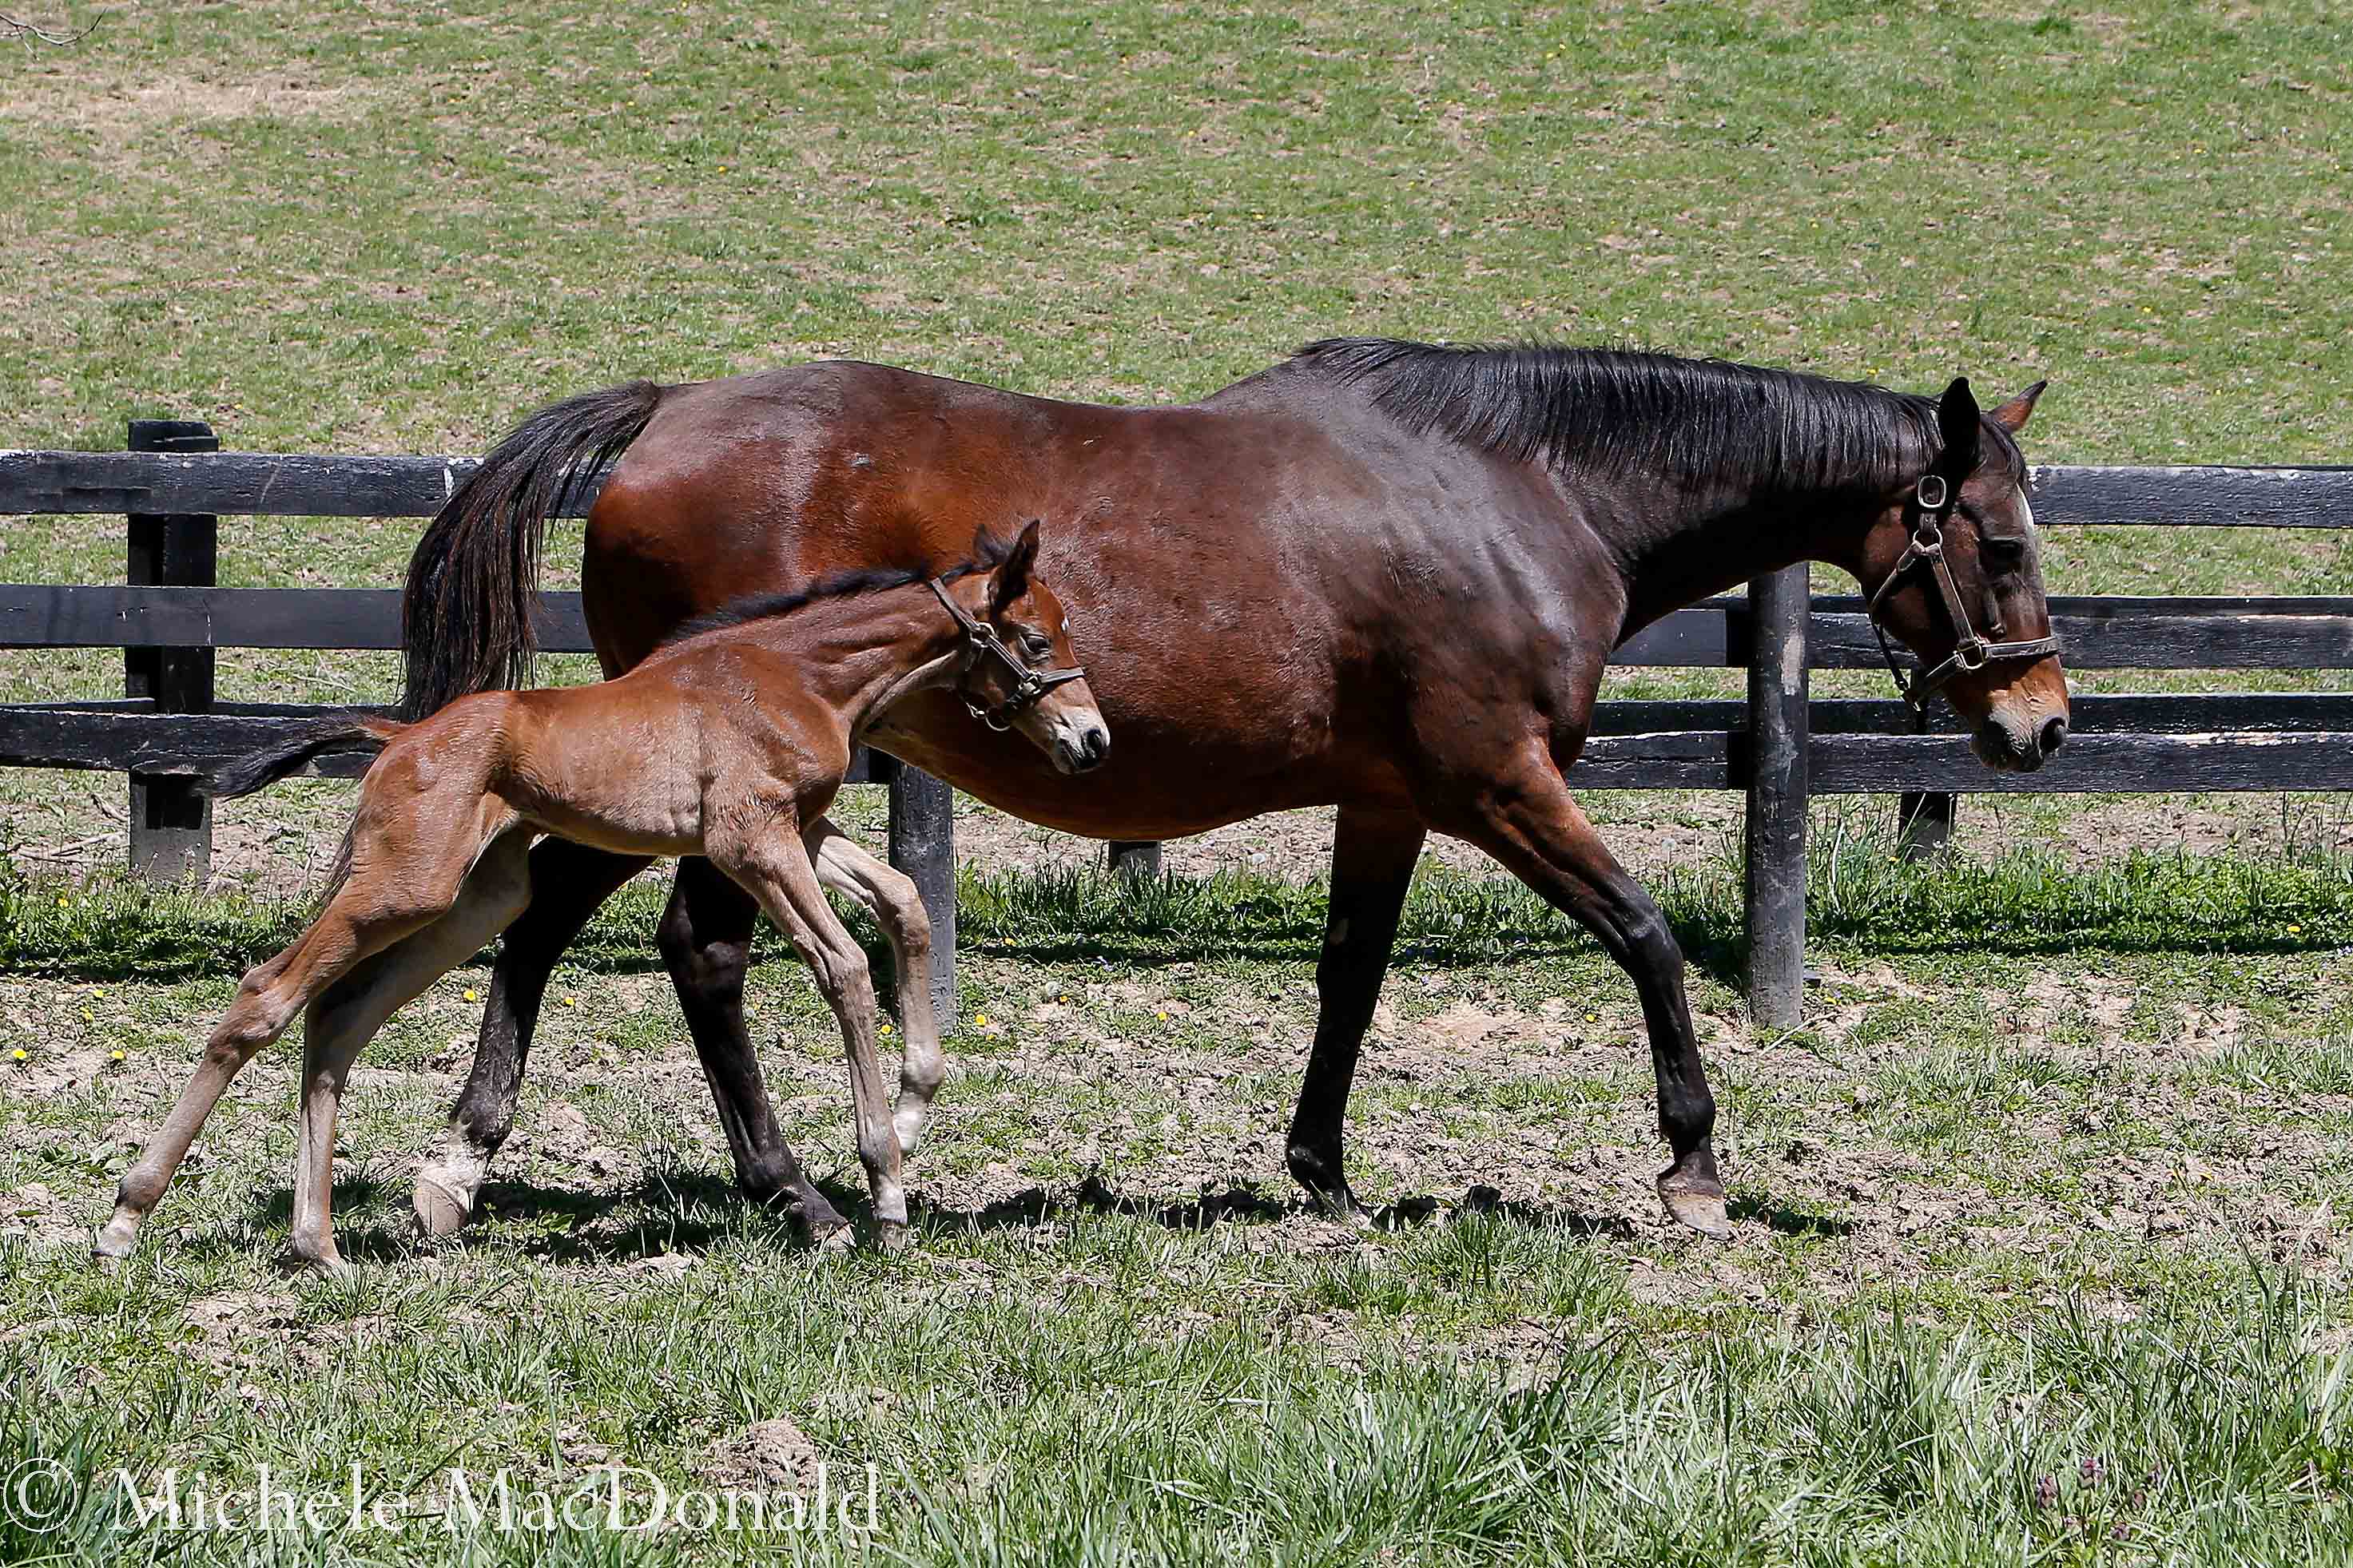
844	975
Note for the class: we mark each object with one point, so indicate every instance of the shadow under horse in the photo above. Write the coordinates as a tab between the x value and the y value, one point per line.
1382	576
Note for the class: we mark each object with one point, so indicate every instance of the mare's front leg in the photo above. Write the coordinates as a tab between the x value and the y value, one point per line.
569	882
342	1021
705	938
1373	857
1525	819
775	868
892	897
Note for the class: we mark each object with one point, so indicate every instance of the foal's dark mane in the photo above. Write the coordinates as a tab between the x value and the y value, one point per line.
832	585
1625	411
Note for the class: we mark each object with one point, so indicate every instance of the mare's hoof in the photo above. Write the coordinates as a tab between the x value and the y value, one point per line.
890	1235
1328	1193
440	1211
839	1238
819	1220
1696	1202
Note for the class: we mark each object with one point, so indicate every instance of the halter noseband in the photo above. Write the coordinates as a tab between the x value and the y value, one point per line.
1935	500
981	642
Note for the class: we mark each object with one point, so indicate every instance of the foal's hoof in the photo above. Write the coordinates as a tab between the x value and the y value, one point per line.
114	1241
890	1235
440	1211
1696	1202
322	1265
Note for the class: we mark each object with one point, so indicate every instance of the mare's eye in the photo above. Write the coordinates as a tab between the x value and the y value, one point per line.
1035	645
2002	554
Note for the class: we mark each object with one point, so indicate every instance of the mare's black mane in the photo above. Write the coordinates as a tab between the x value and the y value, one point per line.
1629	411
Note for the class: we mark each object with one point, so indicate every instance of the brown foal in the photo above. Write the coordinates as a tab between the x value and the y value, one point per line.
728	743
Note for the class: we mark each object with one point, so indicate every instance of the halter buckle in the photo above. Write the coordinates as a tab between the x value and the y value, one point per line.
1932	492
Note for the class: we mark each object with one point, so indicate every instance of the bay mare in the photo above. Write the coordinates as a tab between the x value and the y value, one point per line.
1382	576
728	746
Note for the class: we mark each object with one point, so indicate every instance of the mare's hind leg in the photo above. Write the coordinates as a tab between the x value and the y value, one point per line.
775	868
1373	857
1526	820
569	882
890	896
342	1021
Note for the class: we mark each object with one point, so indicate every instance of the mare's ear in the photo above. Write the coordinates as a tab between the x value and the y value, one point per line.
1957	422
2012	416
1011	579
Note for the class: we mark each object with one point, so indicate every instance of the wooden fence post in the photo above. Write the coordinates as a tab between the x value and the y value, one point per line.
1923	819
922	845
1778	734
1135	857
171	823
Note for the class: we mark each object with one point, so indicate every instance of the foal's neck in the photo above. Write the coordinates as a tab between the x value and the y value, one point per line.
861	653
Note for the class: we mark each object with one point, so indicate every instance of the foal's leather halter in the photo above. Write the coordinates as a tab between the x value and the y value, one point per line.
981	642
1935	500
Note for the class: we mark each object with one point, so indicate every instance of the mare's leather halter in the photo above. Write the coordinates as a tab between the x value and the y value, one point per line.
981	643
1936	500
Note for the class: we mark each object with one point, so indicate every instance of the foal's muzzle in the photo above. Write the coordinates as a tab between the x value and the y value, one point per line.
1081	748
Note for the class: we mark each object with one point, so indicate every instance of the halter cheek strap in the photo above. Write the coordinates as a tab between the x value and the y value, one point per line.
1936	500
980	642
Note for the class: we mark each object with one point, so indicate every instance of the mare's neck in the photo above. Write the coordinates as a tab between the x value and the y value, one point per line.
1691	539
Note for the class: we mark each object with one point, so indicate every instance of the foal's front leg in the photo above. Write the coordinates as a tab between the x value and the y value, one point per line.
891	897
775	868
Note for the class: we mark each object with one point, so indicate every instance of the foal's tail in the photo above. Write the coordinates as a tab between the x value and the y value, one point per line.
352	732
465	616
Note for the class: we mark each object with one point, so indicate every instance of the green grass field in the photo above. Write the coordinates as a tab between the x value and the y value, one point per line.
2042	1249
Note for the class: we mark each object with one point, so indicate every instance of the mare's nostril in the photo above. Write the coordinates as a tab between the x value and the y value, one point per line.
2053	734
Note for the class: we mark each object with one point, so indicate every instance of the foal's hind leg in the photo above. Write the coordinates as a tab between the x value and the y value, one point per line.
342	1021
268	998
890	896
775	868
1528	821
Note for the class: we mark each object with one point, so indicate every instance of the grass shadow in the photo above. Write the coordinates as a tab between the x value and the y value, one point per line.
1246	1203
1789	1221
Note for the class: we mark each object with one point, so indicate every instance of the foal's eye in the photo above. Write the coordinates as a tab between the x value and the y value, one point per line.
1035	645
2002	554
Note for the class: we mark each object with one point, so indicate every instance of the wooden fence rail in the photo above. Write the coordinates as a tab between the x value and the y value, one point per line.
1778	745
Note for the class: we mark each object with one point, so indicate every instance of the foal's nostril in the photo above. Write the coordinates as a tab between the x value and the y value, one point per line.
2053	734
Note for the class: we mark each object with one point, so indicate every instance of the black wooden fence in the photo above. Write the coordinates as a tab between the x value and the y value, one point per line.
1780	746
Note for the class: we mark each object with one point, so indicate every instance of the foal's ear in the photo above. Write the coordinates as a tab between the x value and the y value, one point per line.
2012	416
1012	576
1957	422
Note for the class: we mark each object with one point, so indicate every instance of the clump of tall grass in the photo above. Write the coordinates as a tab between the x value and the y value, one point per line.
1860	895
